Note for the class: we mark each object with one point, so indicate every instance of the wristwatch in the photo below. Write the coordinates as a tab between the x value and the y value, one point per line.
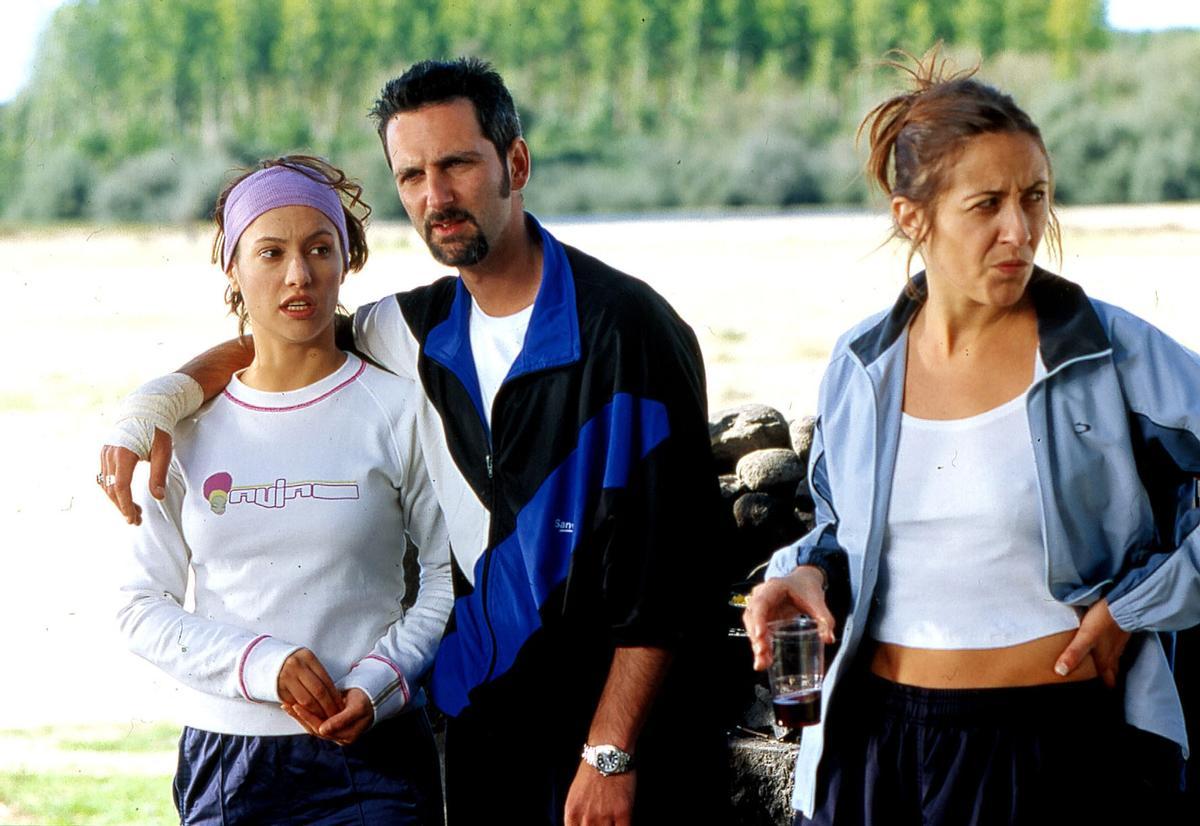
607	759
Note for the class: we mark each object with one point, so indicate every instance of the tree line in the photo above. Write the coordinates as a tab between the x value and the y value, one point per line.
138	108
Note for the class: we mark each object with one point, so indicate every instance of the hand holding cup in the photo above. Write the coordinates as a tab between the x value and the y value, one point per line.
800	592
797	671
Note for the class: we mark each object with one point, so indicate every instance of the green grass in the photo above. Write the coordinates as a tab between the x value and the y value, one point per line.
63	794
160	737
134	738
82	800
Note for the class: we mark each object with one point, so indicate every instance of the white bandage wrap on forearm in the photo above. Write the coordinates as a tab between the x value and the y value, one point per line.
159	403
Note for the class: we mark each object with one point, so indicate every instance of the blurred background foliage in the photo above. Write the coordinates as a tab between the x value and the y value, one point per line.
138	109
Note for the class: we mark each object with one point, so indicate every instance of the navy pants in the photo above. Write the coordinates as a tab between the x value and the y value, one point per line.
901	755
388	776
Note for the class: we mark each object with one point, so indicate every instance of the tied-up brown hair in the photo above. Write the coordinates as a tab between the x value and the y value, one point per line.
357	212
916	137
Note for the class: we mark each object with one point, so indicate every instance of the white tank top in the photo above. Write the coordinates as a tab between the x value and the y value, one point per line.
963	564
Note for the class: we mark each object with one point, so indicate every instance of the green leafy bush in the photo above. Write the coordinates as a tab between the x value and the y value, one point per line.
55	183
174	184
627	107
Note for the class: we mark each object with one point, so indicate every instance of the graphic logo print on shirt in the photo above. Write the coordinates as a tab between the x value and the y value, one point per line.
219	491
216	491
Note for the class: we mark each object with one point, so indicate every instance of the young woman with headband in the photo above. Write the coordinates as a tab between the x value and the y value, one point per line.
287	501
1004	471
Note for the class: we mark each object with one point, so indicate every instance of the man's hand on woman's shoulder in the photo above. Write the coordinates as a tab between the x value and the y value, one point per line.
116	474
143	430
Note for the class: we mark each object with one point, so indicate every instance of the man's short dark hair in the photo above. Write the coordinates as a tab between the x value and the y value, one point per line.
439	81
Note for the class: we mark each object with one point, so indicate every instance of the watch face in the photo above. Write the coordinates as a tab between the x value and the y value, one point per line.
607	761
610	760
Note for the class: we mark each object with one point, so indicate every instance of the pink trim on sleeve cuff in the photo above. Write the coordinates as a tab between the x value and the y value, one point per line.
242	666
399	674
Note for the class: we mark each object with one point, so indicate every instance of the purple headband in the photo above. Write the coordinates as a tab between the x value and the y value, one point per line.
273	187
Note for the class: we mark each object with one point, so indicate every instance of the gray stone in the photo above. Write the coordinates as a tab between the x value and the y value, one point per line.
761	790
805	507
740	430
801	433
807	520
760	714
731	486
770	468
765	523
757	510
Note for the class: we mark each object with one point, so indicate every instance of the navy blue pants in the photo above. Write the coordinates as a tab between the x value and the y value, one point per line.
900	755
388	776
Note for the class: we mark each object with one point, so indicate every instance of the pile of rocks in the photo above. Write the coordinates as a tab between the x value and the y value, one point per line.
763	461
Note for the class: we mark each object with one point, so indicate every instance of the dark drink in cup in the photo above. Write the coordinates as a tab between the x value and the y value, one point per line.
796	672
798	709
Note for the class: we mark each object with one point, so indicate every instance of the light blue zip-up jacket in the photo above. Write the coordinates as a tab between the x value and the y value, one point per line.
1115	423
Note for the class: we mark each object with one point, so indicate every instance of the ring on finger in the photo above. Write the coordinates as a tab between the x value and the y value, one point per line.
100	478
110	480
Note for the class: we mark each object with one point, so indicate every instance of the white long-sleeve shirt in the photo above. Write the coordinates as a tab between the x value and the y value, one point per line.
291	510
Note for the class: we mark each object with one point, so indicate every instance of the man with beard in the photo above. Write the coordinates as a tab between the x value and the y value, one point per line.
570	455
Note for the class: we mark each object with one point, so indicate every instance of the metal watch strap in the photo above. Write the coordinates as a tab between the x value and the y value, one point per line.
607	759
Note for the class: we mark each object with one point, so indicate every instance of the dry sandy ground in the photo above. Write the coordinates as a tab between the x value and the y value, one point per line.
98	310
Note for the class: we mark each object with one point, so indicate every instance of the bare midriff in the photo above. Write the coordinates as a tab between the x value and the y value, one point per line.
1027	663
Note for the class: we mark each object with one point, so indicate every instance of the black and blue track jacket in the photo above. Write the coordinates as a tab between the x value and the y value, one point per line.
588	516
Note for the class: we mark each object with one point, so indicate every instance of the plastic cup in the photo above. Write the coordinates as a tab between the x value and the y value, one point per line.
797	671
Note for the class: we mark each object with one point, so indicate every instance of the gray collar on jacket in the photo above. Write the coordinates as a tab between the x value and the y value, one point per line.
1068	326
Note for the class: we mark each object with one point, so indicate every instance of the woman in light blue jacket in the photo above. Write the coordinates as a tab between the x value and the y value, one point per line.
1004	472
